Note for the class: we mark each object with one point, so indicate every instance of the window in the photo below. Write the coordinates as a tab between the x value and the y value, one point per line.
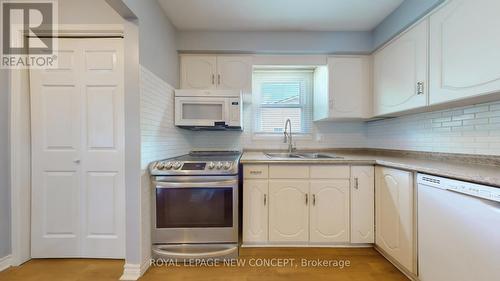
279	95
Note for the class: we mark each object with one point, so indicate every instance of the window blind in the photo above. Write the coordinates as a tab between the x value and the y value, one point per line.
279	95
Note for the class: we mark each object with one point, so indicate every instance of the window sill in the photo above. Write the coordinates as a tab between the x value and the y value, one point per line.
277	136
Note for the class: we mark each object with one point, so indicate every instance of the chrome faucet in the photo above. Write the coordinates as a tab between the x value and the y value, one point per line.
288	136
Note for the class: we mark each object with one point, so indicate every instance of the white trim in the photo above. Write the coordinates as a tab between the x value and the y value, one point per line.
20	143
87	30
135	271
5	262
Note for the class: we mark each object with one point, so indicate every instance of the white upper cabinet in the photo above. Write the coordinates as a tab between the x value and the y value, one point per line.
198	72
464	50
234	73
394	214
255	210
350	91
362	204
343	89
400	72
216	72
329	211
289	211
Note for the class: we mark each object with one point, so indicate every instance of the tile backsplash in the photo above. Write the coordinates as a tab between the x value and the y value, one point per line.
471	129
159	137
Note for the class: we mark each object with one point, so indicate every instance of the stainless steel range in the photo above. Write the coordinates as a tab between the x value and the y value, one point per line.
196	205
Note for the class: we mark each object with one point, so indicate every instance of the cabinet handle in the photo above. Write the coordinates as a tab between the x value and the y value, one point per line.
314	199
420	88
265	199
213	79
307	199
356	183
218	79
255	172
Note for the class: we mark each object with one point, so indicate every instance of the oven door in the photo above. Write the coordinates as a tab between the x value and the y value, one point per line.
201	111
196	210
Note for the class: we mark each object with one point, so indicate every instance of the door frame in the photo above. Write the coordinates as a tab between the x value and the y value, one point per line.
20	141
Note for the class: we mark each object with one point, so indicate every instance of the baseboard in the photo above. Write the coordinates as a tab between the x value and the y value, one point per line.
270	245
5	262
133	272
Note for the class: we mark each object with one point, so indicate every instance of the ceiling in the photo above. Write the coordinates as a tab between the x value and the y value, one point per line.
277	15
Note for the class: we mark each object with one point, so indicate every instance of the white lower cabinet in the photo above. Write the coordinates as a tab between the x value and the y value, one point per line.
329	211
394	215
255	210
307	204
362	204
288	211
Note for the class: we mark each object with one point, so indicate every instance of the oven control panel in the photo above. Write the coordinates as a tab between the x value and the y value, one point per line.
182	168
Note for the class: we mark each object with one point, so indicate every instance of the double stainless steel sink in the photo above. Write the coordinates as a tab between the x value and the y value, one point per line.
303	155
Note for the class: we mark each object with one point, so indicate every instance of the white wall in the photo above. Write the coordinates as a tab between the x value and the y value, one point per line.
87	12
157	40
275	42
5	242
471	129
405	15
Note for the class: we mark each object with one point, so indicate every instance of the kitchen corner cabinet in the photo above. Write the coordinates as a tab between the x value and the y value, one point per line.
343	89
394	214
400	72
362	204
255	210
229	72
288	211
464	50
329	211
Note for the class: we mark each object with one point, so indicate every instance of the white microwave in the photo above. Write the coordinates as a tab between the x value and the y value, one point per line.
209	109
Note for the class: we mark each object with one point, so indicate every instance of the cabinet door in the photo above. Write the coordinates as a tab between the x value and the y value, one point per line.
394	214
350	91
289	210
198	72
362	204
464	50
234	73
329	211
255	210
400	72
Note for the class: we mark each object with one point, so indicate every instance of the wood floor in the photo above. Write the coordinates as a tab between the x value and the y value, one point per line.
365	265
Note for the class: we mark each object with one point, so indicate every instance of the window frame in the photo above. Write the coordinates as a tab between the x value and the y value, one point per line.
305	101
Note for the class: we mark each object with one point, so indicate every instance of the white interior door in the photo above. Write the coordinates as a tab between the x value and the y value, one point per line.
77	152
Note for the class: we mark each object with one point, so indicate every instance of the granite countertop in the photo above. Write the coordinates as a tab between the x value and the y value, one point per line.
472	168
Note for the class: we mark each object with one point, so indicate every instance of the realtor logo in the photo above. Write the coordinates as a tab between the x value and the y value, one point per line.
27	34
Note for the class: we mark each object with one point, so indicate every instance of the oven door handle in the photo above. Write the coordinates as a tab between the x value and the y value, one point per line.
209	184
198	255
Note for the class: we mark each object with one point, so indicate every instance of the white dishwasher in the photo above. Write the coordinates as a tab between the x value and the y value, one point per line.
458	230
